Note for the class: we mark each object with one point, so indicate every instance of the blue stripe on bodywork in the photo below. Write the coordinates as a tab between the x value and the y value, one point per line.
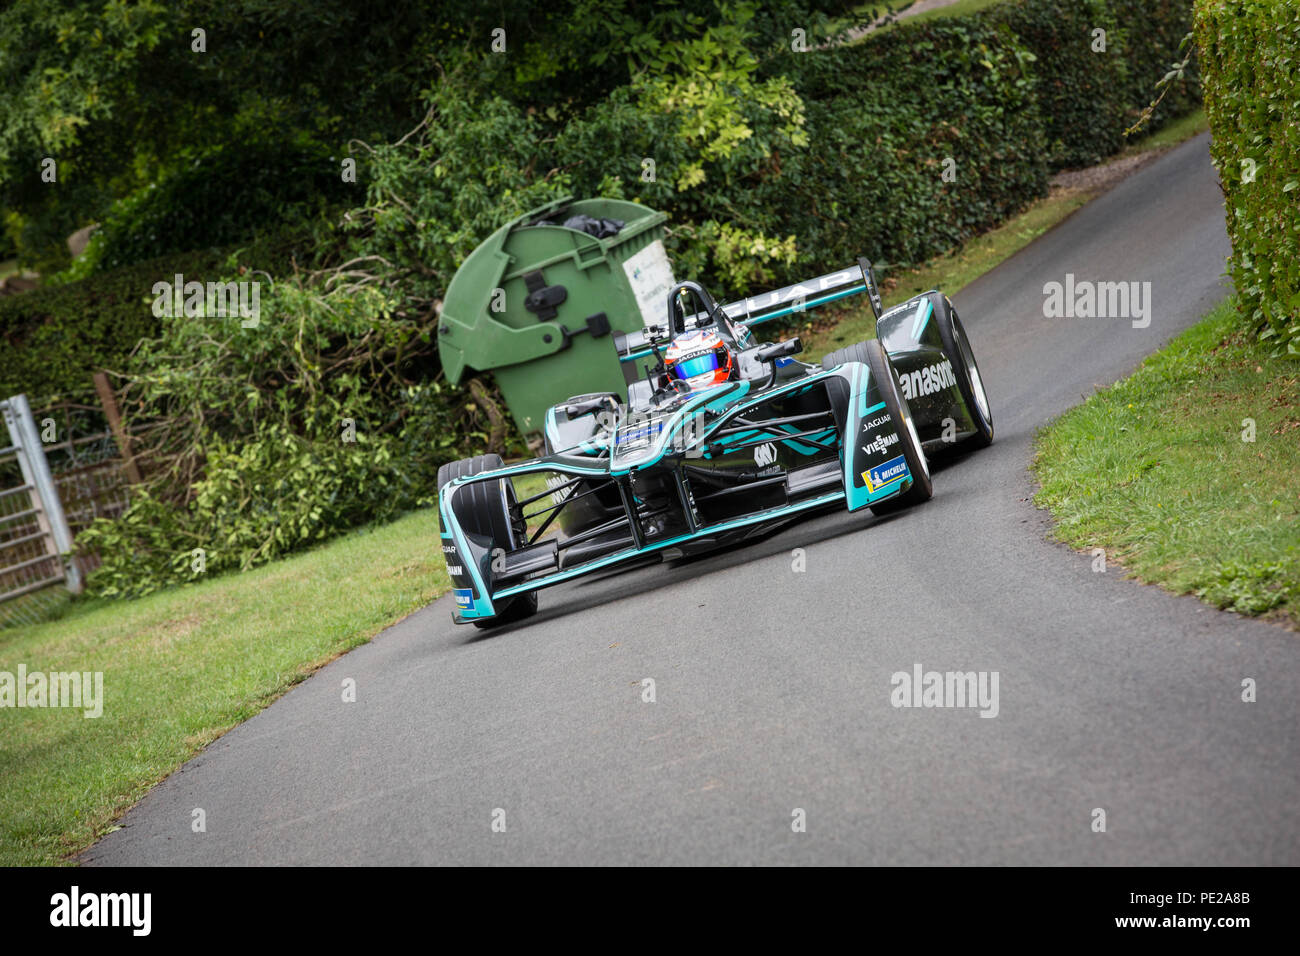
768	433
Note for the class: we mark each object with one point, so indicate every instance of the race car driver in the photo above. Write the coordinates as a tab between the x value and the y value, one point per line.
701	358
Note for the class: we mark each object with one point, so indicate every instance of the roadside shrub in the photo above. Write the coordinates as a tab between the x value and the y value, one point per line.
1250	58
719	229
432	197
1007	95
1152	32
1079	91
259	441
56	336
222	196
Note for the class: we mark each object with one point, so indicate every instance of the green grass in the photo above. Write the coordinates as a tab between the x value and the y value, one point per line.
1155	470
181	667
959	9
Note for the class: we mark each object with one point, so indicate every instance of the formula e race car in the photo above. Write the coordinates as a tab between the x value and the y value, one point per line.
720	439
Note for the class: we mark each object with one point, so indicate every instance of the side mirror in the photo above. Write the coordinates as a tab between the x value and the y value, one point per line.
578	409
770	353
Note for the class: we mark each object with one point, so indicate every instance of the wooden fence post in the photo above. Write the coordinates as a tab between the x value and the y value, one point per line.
109	401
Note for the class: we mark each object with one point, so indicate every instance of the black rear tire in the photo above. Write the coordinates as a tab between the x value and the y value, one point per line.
490	510
857	352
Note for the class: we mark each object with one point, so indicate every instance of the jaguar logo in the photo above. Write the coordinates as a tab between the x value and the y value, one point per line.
764	454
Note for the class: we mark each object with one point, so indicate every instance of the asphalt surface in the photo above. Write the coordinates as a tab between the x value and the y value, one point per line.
773	687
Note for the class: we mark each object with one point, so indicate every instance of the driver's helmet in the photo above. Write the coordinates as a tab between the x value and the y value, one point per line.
700	358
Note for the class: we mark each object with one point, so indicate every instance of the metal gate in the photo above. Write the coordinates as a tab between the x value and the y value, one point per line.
35	540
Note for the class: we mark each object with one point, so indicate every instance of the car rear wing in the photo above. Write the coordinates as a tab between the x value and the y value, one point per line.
803	295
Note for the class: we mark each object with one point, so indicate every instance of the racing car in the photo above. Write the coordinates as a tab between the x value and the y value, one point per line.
721	438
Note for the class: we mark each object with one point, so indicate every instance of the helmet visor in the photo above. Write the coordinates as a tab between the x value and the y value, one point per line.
696	365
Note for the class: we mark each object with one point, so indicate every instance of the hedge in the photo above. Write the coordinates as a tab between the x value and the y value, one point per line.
222	196
53	338
1008	94
1250	58
1087	96
885	117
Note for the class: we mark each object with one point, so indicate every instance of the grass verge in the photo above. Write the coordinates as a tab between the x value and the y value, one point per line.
955	9
182	667
1188	472
1171	134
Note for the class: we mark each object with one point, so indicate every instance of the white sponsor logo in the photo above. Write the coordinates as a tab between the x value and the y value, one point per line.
928	380
976	689
881	443
764	454
559	491
802	291
875	423
1098	300
455	570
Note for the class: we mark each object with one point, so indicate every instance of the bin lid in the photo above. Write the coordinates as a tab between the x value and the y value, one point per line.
471	334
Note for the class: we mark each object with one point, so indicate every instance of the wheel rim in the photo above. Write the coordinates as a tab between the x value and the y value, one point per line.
972	372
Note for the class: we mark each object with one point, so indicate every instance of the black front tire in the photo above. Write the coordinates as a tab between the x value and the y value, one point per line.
873	355
957	346
490	514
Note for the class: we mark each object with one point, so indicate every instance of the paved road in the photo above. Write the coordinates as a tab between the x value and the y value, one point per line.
773	687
